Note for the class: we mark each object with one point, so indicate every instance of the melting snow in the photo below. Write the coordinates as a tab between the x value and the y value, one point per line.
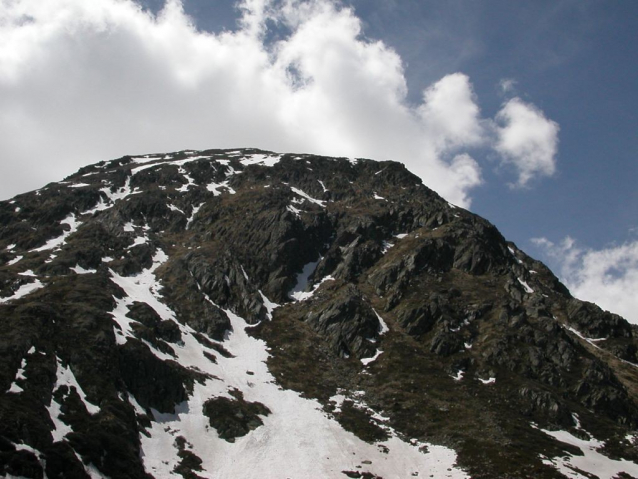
100	206
591	462
295	211
383	327
459	375
23	290
511	250
19	377
119	194
377	197
215	187
323	186
27	273
367	361
143	287
264	160
526	286
190	181
135	171
299	293
60	240
487	381
78	185
270	306
196	209
308	197
386	247
147	158
138	241
296	440
175	208
65	377
401	235
77	269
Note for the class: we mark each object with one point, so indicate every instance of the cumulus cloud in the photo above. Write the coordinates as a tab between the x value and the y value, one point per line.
527	140
607	277
86	81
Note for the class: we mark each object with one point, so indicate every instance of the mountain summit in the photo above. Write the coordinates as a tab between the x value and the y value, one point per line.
246	314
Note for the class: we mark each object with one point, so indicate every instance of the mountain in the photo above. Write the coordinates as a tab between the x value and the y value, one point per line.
246	314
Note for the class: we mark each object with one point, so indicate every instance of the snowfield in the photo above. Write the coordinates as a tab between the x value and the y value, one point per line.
297	440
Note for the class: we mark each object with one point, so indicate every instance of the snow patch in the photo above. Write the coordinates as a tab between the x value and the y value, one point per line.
216	187
366	361
189	181
196	209
299	293
175	208
511	250
525	286
306	196
377	197
23	291
383	327
19	377
65	377
315	445
296	211
120	193
590	463
487	381
264	160
77	269
58	242
386	247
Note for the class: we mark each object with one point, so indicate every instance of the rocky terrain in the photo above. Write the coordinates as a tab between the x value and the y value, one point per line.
240	313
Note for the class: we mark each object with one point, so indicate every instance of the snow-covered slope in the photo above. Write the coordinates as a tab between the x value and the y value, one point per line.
241	313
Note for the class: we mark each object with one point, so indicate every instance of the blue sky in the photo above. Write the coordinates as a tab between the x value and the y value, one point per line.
552	159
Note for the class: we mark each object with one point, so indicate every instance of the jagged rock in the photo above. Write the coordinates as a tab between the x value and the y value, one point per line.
596	323
445	343
233	418
347	322
542	406
154	383
224	281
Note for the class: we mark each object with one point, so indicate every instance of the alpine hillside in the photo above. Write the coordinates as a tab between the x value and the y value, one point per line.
246	314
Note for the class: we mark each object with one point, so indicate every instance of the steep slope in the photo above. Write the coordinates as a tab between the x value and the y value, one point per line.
248	314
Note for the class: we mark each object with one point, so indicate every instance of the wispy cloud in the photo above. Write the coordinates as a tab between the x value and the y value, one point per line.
85	81
607	277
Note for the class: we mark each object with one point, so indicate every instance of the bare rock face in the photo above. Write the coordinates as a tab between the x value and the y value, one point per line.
397	314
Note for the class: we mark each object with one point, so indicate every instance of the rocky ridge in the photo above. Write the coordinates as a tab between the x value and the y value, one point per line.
176	314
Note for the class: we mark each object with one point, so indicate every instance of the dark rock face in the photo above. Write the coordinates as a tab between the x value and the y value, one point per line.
452	334
233	418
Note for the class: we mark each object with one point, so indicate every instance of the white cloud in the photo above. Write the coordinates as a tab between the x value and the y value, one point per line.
86	81
607	277
527	140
